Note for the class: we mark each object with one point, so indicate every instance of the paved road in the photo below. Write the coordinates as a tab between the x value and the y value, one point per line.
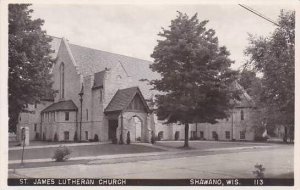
278	162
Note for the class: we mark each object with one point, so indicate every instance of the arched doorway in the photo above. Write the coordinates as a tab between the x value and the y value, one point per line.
138	128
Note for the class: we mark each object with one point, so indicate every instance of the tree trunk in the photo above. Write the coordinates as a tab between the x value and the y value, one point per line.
186	135
285	134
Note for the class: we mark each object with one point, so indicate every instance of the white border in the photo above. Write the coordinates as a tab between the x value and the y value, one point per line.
4	75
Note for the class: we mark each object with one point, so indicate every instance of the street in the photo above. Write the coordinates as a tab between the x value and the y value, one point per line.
278	162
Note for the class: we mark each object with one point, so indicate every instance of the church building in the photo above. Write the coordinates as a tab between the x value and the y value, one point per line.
101	97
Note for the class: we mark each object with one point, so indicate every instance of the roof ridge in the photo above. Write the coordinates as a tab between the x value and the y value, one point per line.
54	36
110	52
129	88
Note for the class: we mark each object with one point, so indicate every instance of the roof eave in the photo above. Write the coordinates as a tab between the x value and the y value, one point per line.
59	110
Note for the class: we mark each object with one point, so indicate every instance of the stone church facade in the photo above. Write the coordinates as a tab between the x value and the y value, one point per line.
115	102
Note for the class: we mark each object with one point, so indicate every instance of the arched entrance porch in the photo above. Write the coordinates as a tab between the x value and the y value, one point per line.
129	107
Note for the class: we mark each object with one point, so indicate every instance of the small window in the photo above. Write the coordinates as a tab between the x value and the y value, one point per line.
242	135
62	80
101	95
201	134
215	135
177	135
87	114
242	115
227	134
193	134
66	116
35	127
66	135
86	135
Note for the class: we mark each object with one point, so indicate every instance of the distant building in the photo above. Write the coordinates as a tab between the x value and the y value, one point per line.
115	101
239	126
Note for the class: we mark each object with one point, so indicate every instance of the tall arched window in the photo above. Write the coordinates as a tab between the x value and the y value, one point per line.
242	115
62	80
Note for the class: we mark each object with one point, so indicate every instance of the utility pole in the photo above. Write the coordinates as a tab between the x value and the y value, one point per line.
121	136
232	139
23	136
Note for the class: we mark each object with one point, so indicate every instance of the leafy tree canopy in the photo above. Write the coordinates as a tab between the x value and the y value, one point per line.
274	57
29	61
196	78
252	84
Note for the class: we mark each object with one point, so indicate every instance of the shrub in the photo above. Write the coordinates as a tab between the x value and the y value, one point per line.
160	135
37	136
61	154
96	138
139	139
55	137
121	139
152	137
259	172
75	136
115	140
260	138
128	138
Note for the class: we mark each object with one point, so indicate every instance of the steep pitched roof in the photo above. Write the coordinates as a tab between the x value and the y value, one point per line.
245	99
61	106
92	61
55	44
122	99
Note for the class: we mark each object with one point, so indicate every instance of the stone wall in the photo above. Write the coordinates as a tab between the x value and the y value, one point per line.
129	126
32	119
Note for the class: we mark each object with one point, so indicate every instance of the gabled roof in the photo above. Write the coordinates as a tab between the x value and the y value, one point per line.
99	79
55	44
245	100
61	106
91	61
123	98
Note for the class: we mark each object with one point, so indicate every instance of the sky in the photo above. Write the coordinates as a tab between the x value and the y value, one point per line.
132	29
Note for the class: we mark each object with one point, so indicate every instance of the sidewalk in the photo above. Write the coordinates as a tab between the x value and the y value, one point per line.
57	145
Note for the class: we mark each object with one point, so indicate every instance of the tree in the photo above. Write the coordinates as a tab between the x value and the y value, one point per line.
251	83
274	57
29	61
195	74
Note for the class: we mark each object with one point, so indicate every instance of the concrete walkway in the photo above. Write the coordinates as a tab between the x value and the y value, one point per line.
57	145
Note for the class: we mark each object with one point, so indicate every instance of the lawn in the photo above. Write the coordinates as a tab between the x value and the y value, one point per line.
38	143
203	145
82	151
